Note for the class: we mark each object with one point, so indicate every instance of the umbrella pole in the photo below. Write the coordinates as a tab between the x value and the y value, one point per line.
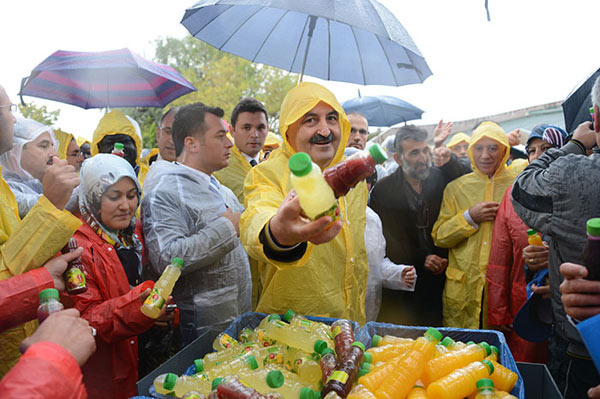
311	28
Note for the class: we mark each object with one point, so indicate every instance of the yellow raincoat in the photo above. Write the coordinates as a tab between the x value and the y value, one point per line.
469	247
330	279
26	245
82	140
146	159
115	122
64	139
458	138
234	174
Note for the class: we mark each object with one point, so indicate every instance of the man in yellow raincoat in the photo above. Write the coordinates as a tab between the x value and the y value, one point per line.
307	266
27	244
465	224
68	149
85	147
459	144
116	127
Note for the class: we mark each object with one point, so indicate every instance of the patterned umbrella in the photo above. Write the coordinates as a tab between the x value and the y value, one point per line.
116	78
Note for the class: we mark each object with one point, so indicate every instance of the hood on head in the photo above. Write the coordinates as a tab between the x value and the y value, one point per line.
82	140
64	139
493	131
458	138
301	99
116	122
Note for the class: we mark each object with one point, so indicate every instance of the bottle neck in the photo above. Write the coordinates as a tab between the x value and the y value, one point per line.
593	238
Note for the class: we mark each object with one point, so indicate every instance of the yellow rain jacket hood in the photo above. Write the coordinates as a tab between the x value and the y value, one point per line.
470	246
329	279
458	138
64	139
82	140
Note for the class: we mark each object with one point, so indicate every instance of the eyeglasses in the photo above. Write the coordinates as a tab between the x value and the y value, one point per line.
166	130
13	107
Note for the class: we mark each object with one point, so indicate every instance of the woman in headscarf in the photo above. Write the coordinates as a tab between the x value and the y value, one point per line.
109	195
505	271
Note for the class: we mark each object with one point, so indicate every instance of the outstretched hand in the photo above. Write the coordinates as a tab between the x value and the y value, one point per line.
441	133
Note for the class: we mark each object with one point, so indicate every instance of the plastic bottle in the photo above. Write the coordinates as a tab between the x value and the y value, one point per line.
533	238
186	383
360	392
49	303
193	395
300	321
343	376
504	395
461	382
417	392
74	276
162	289
504	379
485	389
387	352
211	359
378	340
165	383
410	368
118	149
223	341
294	337
445	364
343	336
280	381
241	363
346	174
233	388
591	254
494	355
452	345
327	362
315	195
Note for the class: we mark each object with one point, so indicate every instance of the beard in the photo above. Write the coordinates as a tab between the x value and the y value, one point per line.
412	170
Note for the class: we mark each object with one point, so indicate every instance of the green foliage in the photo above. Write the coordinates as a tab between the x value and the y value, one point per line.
39	113
147	118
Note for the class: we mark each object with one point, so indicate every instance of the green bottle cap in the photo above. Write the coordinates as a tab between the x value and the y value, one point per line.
170	380
593	227
447	342
327	351
362	372
252	363
367	357
48	293
216	382
418	387
177	262
300	164
319	346
358	345
366	366
275	378
489	365
470	342
274	316
199	365
119	146
289	315
434	333
496	350
485	383
531	232
486	346
307	393
376	339
378	153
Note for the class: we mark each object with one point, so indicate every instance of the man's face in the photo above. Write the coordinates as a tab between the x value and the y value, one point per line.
317	133
214	145
415	159
488	154
460	150
164	138
7	122
106	145
37	155
250	132
359	131
74	155
86	150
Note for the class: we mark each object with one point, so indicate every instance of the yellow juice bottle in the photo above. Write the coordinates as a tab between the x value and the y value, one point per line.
504	379
162	289
461	382
451	344
315	195
196	382
417	392
445	364
378	340
494	355
533	238
284	333
388	352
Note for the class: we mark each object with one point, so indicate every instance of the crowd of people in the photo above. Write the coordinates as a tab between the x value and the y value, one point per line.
435	237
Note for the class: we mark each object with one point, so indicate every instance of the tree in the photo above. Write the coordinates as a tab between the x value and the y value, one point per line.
147	118
39	113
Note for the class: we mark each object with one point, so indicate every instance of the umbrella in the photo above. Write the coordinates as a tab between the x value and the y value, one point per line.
383	110
117	78
576	108
356	41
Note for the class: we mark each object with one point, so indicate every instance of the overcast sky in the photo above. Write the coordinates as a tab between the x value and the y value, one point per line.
532	52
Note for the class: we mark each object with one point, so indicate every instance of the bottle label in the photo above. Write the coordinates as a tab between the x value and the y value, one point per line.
226	341
274	356
74	278
339	375
154	299
192	395
330	212
336	331
305	325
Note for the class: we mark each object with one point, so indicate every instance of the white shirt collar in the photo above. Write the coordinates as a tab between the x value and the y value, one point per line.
249	158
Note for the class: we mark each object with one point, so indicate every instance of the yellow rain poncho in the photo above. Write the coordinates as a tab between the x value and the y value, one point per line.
116	122
64	139
469	247
330	279
82	140
458	138
146	160
234	174
26	245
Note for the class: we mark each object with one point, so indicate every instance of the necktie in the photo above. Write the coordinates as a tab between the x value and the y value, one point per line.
253	162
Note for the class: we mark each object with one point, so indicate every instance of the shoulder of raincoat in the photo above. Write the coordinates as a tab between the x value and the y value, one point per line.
556	195
64	139
142	172
146	160
46	370
27	191
182	217
234	174
116	122
457	138
469	248
329	279
113	309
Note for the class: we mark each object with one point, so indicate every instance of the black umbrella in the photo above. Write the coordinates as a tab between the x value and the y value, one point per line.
576	107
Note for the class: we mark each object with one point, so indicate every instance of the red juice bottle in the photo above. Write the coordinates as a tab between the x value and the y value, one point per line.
49	303
74	276
343	337
348	173
591	255
342	378
328	362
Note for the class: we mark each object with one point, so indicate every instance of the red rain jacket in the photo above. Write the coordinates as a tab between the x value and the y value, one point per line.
113	309
46	370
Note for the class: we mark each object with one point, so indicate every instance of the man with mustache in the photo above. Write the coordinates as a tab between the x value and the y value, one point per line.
249	129
408	202
316	267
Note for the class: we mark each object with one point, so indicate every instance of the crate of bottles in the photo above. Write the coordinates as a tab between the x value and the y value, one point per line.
365	335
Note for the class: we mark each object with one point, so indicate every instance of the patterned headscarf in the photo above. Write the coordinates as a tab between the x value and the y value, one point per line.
549	133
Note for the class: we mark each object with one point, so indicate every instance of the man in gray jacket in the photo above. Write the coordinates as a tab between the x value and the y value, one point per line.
187	214
556	195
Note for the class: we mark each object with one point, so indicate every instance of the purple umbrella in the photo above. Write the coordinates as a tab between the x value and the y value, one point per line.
116	78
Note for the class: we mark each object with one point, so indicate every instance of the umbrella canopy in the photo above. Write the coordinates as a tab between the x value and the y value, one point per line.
576	108
383	110
356	41
117	78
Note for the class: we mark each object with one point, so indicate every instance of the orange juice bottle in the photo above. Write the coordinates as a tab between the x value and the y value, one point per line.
534	238
373	379
445	364
504	379
451	344
461	382
410	368
417	392
378	340
494	355
387	352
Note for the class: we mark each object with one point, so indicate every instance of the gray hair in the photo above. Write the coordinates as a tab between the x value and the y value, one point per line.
596	92
409	132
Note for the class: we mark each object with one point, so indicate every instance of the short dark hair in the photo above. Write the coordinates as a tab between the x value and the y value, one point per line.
167	112
247	104
189	121
409	132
